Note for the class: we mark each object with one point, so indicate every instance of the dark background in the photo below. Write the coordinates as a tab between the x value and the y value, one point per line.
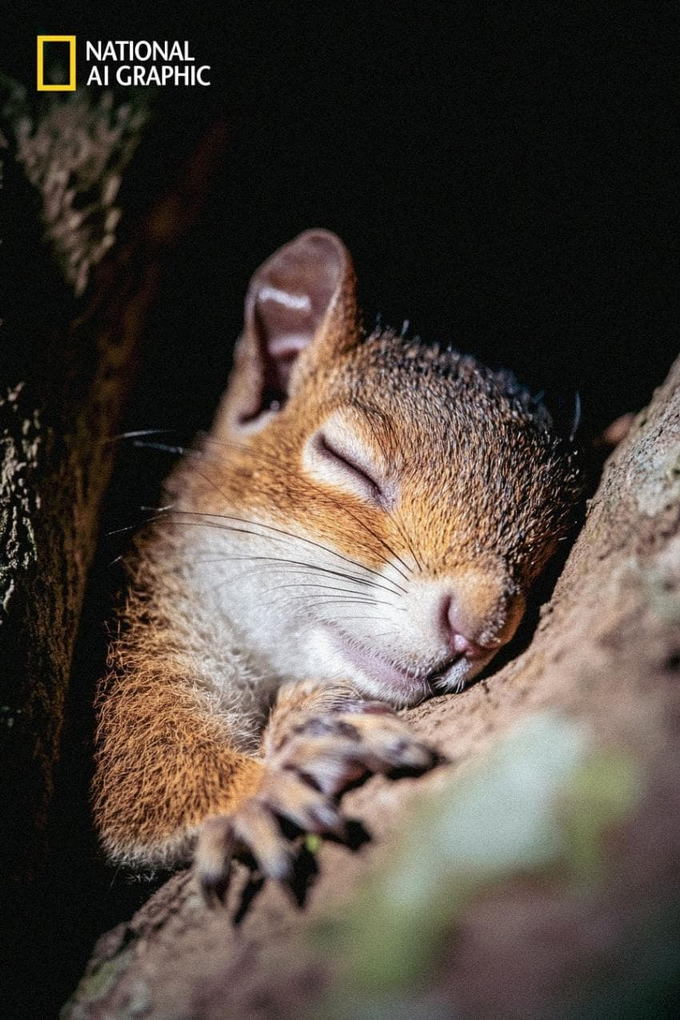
504	175
505	178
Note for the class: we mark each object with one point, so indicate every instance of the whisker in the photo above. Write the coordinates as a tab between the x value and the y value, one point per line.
271	461
399	525
283	534
273	559
129	527
366	619
297	563
136	433
401	531
157	509
385	544
362	619
327	495
321	599
340	618
163	447
324	587
295	570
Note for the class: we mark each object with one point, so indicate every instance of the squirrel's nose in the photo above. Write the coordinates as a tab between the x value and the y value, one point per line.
459	641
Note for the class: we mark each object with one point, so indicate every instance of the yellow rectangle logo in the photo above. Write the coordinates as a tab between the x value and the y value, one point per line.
71	84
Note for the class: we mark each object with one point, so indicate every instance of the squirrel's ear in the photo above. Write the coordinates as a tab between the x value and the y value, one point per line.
303	297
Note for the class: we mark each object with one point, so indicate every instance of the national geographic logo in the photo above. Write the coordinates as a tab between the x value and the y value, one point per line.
64	41
123	62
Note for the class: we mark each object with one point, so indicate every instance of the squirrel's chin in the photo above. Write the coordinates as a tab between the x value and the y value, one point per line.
375	675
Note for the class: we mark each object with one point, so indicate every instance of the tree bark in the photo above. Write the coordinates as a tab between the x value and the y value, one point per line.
78	296
535	875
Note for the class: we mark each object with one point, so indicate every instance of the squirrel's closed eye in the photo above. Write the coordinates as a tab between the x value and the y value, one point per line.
337	458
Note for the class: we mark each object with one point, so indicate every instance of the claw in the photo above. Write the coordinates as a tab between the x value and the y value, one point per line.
259	831
212	862
333	754
406	754
326	819
297	801
214	888
322	758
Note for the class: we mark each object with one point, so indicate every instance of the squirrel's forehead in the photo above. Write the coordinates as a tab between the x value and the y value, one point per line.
416	375
382	400
410	395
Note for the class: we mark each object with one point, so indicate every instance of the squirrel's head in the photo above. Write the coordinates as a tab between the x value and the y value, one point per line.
382	507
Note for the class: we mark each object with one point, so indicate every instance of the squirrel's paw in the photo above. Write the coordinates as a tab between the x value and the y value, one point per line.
336	750
303	778
262	831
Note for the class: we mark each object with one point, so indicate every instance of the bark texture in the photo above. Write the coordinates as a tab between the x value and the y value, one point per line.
536	875
77	299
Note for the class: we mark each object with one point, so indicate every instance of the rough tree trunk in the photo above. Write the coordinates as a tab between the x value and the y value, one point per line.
67	346
537	875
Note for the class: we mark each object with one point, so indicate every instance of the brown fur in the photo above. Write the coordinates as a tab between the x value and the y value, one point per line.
485	490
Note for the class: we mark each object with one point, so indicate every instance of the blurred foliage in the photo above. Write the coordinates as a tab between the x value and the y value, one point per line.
540	803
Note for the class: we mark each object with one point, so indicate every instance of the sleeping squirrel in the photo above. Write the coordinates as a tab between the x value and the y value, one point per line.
360	529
